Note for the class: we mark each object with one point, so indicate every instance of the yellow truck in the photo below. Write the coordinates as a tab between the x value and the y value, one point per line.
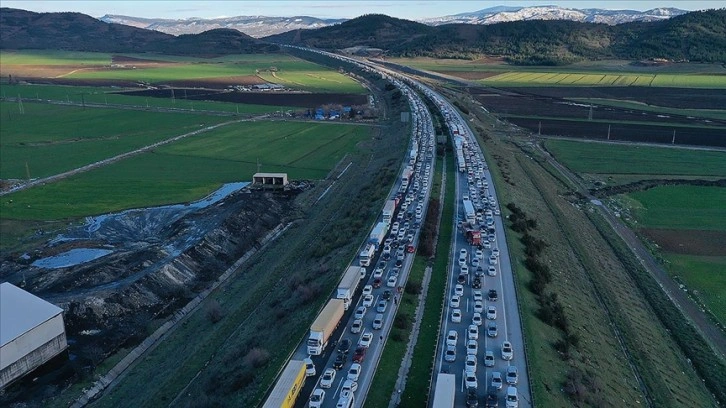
288	386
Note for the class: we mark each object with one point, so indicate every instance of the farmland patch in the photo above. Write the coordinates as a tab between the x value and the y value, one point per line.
687	241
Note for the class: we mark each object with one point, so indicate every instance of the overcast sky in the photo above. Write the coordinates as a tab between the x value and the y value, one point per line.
411	9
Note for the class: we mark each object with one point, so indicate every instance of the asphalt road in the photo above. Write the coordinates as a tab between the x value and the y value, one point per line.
507	319
423	122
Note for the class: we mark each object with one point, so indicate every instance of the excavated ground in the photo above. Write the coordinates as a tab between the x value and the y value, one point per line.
162	257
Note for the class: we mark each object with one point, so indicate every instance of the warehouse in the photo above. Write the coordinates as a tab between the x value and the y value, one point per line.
31	332
278	179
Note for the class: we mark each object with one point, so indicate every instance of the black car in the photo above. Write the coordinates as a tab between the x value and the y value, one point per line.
477	283
461	279
399	263
492	398
339	361
344	346
472	400
493	295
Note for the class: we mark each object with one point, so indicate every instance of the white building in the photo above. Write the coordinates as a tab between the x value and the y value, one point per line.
31	332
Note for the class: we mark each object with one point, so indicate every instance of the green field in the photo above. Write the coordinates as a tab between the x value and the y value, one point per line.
291	71
704	275
611	158
191	168
51	139
704	113
681	207
605	79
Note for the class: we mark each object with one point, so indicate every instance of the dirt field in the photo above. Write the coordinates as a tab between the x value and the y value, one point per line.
472	75
305	100
691	242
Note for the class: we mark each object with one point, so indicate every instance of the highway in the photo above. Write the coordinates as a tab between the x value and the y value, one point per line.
414	196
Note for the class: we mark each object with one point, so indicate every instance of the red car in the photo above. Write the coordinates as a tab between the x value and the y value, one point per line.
410	249
377	283
359	355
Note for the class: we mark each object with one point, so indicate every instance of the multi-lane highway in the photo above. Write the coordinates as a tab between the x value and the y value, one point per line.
481	337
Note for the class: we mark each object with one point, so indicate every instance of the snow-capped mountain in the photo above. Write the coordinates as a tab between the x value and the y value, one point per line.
254	26
501	14
262	26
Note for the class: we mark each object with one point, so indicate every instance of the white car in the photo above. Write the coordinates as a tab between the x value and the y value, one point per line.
326	381
474	263
478	306
392	281
465	269
450	354
512	398
487	244
493	260
471	380
356	326
492	271
317	398
350	386
452	337
470	364
478	295
507	351
472	347
365	340
462	261
462	253
459	290
489	359
491	312
495	252
512	375
368	301
456	316
455	301
309	367
473	332
367	290
354	372
360	312
476	319
378	273
479	254
497	380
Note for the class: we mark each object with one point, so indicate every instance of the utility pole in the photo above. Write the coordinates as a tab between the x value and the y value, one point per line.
27	171
673	141
608	132
21	109
83	101
589	115
539	129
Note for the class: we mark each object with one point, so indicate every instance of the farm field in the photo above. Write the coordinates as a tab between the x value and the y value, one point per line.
50	139
611	158
84	68
704	113
605	79
687	222
190	169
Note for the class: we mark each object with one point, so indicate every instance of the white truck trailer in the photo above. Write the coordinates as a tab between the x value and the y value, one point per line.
388	211
378	234
324	325
445	391
469	212
349	284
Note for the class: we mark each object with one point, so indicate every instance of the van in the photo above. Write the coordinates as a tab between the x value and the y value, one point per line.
378	321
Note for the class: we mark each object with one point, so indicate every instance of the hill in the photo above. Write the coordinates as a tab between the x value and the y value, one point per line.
20	29
697	36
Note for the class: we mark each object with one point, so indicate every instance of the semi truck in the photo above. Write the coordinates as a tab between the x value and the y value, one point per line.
469	212
388	211
288	386
367	254
323	326
378	234
406	177
445	391
349	284
473	236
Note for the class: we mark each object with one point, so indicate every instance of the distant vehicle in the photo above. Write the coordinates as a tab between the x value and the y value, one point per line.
382	305
472	347
512	375
497	380
471	381
456	316
492	330
512	398
316	398
493	295
359	355
350	386
491	312
476	283
473	332
367	290
478	295
459	290
461	279
326	381
450	354
492	271
492	398
478	306
378	321
309	367
476	319
392	282
356	326
507	351
451	338
470	364
339	361
354	372
377	283
489	359
493	260
360	312
365	339
472	399
386	294
324	325
455	301
344	346
368	301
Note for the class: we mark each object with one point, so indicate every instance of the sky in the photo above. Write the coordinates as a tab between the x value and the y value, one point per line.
408	9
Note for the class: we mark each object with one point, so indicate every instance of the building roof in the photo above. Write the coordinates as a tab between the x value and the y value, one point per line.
270	175
21	311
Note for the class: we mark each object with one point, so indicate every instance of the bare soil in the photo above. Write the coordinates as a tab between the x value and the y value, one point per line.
690	242
471	75
305	100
